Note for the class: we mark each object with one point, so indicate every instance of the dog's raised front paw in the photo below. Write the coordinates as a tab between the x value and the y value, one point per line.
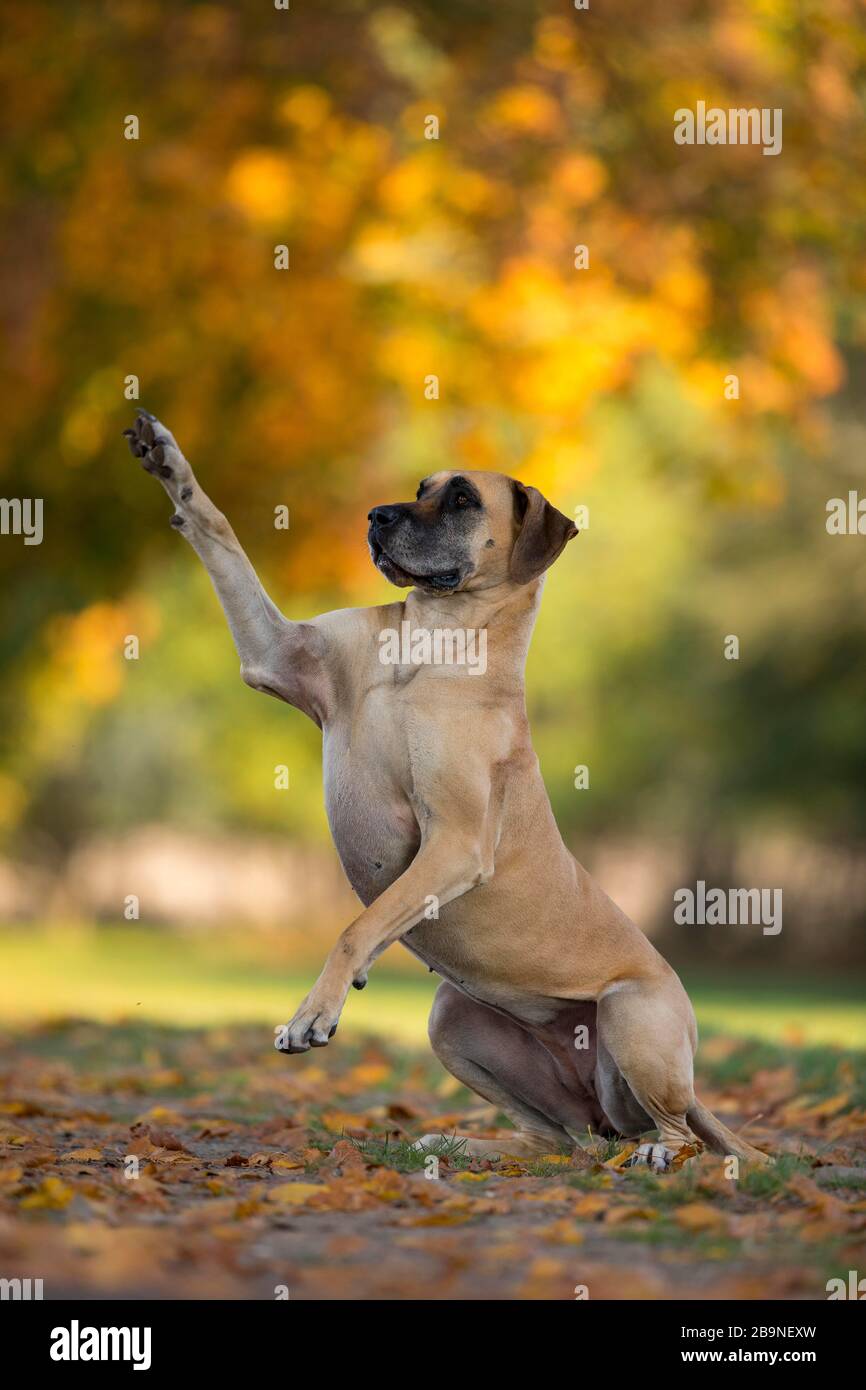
155	447
314	1024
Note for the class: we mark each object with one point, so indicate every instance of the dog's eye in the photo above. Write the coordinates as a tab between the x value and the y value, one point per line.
462	499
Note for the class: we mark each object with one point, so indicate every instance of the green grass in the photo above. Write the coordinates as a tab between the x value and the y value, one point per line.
794	1009
114	973
400	1154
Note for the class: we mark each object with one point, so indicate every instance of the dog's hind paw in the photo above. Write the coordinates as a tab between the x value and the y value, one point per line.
656	1157
429	1141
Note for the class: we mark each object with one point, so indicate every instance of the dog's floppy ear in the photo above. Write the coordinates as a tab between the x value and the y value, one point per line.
544	532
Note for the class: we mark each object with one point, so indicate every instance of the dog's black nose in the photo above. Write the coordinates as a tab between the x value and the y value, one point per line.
383	516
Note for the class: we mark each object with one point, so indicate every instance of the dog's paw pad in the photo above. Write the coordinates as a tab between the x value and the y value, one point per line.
155	447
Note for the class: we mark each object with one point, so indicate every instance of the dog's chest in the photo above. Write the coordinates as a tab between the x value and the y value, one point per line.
371	819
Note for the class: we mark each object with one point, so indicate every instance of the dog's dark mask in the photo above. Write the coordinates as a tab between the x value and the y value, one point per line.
428	542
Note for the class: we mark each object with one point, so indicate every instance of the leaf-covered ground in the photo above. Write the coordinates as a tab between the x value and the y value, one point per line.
139	1162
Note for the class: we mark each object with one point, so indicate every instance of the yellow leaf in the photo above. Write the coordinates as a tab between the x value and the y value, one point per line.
622	1157
51	1195
562	1232
338	1120
590	1205
470	1177
161	1114
82	1156
827	1107
295	1194
385	1184
283	1162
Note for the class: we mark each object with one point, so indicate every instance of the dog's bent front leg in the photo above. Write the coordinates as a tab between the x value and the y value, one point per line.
448	864
279	657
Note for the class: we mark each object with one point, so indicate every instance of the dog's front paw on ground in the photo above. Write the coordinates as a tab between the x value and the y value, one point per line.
155	447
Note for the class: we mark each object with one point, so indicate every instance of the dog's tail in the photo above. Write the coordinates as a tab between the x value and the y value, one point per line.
719	1139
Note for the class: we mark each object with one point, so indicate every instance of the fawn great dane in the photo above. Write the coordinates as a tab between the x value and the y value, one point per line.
554	1006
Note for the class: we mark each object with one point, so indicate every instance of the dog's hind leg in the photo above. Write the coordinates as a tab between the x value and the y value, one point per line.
647	1027
499	1060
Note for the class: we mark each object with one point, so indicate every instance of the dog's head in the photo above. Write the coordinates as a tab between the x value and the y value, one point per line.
467	531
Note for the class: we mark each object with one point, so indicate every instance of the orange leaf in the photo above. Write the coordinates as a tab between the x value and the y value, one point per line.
683	1155
591	1205
438	1218
699	1216
617	1216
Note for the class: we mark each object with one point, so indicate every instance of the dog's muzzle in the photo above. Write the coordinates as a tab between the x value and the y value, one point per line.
383	521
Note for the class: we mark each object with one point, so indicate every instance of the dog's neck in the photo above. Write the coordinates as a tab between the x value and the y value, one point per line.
506	613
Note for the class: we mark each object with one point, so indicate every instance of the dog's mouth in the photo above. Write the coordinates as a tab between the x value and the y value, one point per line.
443	580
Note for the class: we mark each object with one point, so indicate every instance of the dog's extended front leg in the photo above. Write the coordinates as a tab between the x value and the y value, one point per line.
447	865
279	657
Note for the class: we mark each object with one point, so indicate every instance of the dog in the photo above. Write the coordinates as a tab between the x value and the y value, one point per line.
553	1005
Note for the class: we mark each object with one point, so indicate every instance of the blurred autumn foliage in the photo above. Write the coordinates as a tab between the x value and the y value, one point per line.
453	257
